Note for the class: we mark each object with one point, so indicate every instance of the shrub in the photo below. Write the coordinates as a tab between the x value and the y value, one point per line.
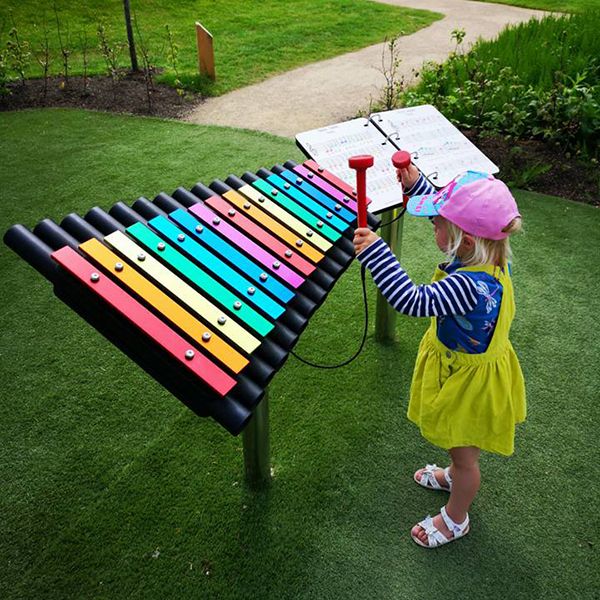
512	88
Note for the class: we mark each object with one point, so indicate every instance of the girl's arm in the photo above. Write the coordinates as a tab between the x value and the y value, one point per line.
415	187
454	295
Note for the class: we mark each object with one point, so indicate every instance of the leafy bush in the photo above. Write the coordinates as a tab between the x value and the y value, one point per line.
540	79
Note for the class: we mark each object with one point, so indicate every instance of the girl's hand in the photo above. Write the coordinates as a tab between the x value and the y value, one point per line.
363	238
407	177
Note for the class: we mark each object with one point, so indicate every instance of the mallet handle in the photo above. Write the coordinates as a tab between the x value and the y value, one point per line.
360	164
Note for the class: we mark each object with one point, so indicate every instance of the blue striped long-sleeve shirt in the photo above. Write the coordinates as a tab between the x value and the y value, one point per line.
456	294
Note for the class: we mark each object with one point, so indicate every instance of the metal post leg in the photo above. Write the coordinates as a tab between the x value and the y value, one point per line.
385	316
257	463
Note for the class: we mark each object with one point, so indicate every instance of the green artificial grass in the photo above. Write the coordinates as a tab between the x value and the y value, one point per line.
252	40
551	5
113	489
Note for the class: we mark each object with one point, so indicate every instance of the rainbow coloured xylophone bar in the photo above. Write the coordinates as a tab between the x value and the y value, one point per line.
208	289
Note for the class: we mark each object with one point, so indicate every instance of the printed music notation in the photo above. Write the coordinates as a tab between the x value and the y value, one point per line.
438	148
332	146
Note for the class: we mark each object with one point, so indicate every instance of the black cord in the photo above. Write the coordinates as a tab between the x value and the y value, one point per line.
364	337
400	215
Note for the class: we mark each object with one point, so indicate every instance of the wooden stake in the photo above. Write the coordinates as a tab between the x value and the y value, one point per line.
206	54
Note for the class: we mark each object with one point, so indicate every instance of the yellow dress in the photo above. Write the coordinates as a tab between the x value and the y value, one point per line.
460	399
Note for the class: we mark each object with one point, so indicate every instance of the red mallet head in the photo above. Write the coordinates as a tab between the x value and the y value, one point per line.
360	164
401	159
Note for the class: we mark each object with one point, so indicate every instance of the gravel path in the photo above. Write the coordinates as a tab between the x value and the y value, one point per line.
334	90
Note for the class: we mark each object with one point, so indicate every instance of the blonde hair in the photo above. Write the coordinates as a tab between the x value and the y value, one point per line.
495	252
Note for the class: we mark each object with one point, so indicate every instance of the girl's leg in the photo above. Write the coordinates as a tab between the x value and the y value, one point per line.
464	471
465	481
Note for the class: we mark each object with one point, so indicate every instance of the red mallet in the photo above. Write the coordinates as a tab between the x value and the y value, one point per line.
402	160
360	164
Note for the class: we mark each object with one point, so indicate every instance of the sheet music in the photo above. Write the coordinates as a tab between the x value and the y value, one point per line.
439	149
332	146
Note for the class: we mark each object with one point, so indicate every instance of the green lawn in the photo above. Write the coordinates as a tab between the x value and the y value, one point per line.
252	40
112	489
552	5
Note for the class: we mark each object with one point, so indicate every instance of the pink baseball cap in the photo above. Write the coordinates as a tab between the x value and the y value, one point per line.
476	202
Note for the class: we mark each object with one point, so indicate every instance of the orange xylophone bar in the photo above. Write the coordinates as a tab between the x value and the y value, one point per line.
158	279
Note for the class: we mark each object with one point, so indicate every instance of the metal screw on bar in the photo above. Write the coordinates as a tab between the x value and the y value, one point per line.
309	233
222	320
338	207
206	336
161	246
141	257
287	186
346	199
299	243
118	267
288	254
94	277
354	192
299	180
319	223
199	228
273	192
247	205
276	264
251	291
261	198
189	354
320	169
237	305
263	277
231	212
310	175
329	215
181	237
216	221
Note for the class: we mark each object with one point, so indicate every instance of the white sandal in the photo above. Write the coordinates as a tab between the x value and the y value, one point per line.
428	479
435	537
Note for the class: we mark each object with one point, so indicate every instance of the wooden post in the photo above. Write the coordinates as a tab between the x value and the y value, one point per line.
206	54
130	38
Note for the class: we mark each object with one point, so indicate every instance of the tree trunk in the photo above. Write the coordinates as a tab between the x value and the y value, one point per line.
130	39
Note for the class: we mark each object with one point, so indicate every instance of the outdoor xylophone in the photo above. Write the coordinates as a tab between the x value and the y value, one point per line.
207	289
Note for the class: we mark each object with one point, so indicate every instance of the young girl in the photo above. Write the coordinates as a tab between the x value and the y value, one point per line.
467	391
